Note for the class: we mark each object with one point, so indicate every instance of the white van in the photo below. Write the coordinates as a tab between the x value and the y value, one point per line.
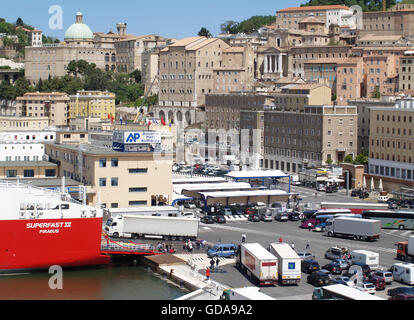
366	257
403	272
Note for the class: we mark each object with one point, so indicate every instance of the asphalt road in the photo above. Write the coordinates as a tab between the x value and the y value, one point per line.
268	232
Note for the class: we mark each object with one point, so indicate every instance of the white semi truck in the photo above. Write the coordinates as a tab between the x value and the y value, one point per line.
289	263
138	226
164	211
355	228
258	264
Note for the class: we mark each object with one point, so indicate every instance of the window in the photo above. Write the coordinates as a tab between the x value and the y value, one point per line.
102	163
29	173
102	182
114	163
138	203
50	172
143	189
114	182
114	205
138	170
11	173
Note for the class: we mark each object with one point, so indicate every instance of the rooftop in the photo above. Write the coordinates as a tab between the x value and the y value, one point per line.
27	164
314	8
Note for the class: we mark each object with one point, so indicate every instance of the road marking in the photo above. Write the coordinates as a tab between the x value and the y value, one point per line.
406	233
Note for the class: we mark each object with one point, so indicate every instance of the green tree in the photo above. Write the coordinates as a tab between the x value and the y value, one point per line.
19	22
329	161
136	75
376	94
349	159
361	159
204	33
229	26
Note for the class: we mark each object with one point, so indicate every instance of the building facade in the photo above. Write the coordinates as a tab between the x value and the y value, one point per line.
97	104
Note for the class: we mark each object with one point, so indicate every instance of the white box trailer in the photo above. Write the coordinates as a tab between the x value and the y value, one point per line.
246	293
289	263
369	258
403	272
340	291
355	228
258	263
164	211
168	228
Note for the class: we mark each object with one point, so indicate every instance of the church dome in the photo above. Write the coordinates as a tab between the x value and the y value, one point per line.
79	30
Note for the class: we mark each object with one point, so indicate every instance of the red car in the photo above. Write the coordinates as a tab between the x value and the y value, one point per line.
379	282
402	296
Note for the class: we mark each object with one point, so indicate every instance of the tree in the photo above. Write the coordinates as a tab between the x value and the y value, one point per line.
349	159
229	26
376	94
361	159
204	33
136	75
329	161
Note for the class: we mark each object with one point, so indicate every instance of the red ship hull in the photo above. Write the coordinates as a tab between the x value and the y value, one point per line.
39	244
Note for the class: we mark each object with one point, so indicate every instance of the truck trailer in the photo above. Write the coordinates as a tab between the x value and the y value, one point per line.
289	263
257	263
355	228
139	226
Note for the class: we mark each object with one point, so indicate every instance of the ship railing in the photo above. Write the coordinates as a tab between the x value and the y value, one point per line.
126	247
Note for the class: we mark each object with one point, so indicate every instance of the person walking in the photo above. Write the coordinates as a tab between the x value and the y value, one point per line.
217	263
280	240
207	273
212	264
307	245
309	226
243	238
293	245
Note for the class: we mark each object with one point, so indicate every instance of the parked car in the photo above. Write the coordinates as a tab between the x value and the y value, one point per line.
207	219
294	216
402	296
306	256
309	266
344	263
378	282
355	193
320	187
228	250
253	217
266	216
392	205
331	189
336	253
188	215
365	268
189	205
219	219
226	211
366	287
318	278
333	268
281	216
386	275
400	290
237	210
341	280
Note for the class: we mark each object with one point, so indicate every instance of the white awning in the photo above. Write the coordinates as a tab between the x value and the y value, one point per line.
257	174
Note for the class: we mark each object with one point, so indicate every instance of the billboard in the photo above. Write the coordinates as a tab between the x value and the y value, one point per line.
137	137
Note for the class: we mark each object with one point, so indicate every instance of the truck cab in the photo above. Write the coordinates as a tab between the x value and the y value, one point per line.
112	228
402	250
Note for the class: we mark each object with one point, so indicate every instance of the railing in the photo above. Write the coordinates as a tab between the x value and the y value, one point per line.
128	247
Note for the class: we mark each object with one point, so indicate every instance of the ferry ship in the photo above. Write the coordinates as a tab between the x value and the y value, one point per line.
41	227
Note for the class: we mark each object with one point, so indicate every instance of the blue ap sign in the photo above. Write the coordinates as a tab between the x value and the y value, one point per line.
142	137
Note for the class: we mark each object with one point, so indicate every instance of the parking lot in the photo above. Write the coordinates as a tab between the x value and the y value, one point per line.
268	232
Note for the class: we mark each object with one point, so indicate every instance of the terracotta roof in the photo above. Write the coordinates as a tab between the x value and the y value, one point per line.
314	8
199	45
186	41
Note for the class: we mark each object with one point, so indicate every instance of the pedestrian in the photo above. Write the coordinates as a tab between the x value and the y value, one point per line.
217	263
207	273
316	194
212	264
280	240
190	246
307	245
293	246
167	248
243	238
309	226
159	246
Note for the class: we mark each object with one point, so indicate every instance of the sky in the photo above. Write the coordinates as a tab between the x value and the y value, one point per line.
172	19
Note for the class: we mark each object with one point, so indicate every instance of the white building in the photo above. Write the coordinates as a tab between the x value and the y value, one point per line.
24	146
340	17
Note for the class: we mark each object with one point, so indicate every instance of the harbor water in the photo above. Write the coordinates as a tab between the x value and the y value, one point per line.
111	282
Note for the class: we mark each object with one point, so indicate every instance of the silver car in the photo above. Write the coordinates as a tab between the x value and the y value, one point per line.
306	256
386	275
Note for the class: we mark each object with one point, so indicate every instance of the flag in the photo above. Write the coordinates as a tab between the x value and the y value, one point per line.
162	121
109	116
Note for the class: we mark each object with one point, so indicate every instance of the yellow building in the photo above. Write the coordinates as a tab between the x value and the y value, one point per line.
97	104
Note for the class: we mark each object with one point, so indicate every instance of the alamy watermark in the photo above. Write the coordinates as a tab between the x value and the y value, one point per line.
56	19
56	280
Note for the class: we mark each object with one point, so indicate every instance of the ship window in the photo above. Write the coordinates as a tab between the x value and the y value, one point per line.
64	206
